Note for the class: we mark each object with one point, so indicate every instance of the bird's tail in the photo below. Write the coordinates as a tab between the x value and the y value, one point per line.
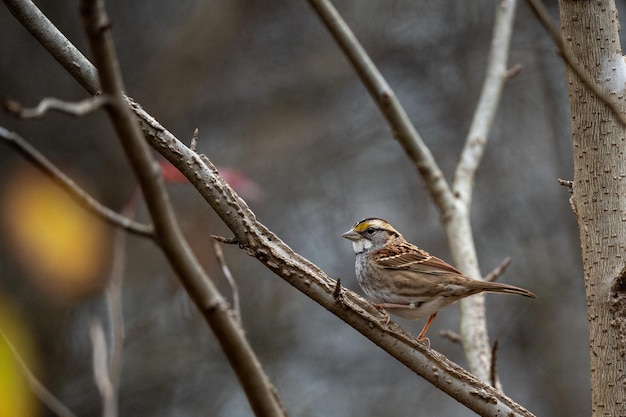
505	289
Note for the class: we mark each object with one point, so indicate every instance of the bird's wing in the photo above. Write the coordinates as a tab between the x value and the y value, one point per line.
413	258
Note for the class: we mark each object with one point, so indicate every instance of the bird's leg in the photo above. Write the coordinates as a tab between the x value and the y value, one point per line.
422	336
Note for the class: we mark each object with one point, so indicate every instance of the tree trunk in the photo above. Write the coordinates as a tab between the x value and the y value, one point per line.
590	31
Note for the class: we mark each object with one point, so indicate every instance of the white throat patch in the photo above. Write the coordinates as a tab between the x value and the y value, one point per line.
361	245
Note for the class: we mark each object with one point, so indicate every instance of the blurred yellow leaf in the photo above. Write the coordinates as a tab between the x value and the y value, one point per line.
56	241
16	397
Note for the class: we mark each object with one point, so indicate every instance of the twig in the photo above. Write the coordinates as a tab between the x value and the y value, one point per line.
566	183
194	140
494	364
226	240
76	192
542	14
453	337
498	270
77	109
219	255
40	391
337	292
513	71
114	301
383	95
260	392
101	370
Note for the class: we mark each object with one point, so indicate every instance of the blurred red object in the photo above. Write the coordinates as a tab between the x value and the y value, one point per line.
243	185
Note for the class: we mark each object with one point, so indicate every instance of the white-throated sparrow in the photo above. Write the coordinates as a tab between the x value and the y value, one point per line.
407	281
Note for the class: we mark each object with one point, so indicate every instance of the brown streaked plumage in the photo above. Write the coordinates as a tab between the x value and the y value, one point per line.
407	281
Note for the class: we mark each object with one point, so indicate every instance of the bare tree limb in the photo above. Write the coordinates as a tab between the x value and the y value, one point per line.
79	108
498	270
260	392
566	183
258	241
453	337
55	43
194	139
543	16
40	391
74	190
113	293
513	71
101	374
226	240
496	76
383	95
219	255
493	371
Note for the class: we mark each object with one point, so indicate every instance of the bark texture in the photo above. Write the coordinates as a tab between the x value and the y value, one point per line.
590	32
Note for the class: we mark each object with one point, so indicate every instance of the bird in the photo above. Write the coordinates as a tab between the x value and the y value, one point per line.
400	278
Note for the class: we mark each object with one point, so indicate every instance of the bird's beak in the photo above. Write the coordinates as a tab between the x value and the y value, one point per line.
352	235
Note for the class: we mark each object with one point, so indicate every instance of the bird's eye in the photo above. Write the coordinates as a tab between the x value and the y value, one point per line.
370	230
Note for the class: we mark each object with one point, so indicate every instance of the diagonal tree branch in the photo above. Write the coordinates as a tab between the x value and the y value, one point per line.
496	76
74	190
307	277
38	388
388	103
80	108
603	94
61	49
261	394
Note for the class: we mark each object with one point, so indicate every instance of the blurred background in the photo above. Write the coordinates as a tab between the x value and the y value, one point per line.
284	116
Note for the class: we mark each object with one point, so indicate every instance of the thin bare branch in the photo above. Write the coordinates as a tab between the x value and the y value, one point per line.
44	395
234	290
338	292
77	109
566	183
383	95
101	370
453	337
494	364
113	293
513	71
55	43
484	114
498	270
542	14
194	140
74	190
260	392
226	240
